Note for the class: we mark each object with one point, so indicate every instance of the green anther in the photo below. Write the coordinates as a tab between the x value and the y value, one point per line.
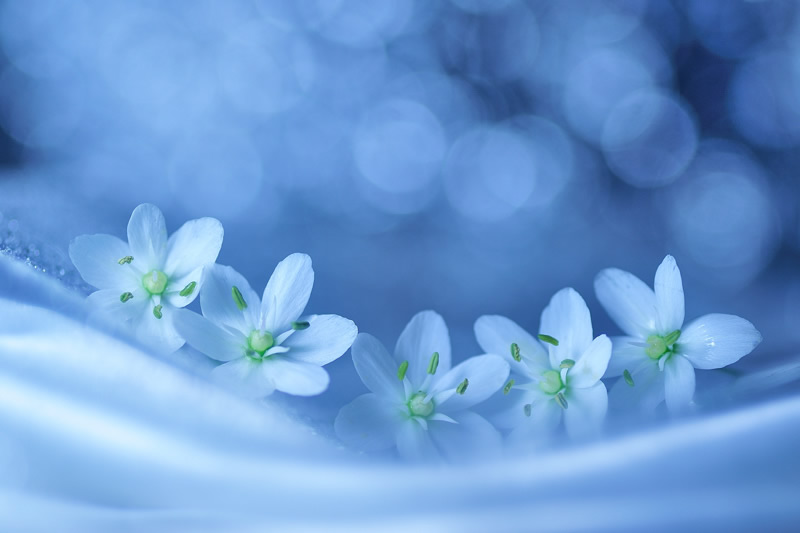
670	339
551	383
189	289
260	341
300	326
462	387
238	298
401	372
417	405
561	400
125	296
157	312
527	409
434	364
515	352
628	378
548	339
155	282
125	260
508	386
567	363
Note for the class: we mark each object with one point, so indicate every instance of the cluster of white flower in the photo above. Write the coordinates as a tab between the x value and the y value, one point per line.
418	404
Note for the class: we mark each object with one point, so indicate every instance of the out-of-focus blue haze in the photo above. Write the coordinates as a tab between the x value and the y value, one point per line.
470	156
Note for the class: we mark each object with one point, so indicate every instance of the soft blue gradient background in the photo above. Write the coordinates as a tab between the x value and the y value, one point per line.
469	156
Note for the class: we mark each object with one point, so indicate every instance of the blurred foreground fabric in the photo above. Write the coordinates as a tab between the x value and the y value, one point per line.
99	435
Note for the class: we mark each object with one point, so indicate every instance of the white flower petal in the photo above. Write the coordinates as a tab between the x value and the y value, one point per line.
296	377
586	411
414	443
592	364
625	355
208	338
646	393
545	415
97	259
471	436
218	304
245	377
195	244
377	369
495	335
567	319
326	339
628	301
513	412
679	383
486	374
287	292
107	304
147	237
158	333
425	334
368	423
176	285
715	341
669	296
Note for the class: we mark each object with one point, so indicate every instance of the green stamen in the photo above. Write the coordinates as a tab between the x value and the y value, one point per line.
508	386
125	296
551	383
188	289
434	364
567	363
628	378
157	312
515	352
462	388
562	400
238	298
401	372
672	337
548	339
125	260
300	326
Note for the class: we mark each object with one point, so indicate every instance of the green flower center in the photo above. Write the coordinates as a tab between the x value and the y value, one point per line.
259	342
417	405
155	282
658	345
551	382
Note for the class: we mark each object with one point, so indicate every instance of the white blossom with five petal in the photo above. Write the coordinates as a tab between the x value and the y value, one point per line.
419	404
143	281
264	343
559	382
659	355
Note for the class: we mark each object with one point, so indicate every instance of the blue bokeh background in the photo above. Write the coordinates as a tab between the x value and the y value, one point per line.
470	156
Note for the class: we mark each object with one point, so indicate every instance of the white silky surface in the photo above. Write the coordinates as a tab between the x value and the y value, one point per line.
98	435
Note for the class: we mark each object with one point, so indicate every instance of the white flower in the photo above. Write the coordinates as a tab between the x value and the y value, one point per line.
563	380
659	355
144	280
265	344
418	403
